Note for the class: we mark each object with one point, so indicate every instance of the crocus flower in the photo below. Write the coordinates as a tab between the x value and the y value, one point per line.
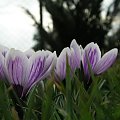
24	71
74	58
98	64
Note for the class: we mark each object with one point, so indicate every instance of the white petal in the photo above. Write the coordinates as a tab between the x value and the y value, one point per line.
78	53
3	50
106	61
29	53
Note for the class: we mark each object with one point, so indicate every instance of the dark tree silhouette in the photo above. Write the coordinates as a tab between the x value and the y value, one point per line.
72	19
114	39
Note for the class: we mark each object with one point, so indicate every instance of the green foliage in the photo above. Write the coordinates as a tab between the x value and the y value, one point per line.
5	108
67	100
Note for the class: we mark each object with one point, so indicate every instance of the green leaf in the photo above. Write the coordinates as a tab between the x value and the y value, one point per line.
5	102
15	114
47	105
30	102
68	92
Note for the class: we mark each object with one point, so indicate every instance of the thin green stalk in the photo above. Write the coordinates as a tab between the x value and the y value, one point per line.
68	92
30	103
94	85
47	105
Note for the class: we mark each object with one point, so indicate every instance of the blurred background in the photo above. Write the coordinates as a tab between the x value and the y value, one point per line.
52	24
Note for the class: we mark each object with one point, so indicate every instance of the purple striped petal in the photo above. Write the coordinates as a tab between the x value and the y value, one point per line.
92	53
106	61
77	53
16	64
60	70
50	63
40	66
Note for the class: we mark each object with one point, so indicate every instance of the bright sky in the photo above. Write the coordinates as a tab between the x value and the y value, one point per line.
16	28
105	5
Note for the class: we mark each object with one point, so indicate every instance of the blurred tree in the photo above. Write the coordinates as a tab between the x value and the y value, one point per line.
72	19
114	39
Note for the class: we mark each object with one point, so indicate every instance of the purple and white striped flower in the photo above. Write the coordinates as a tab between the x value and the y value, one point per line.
74	59
24	70
98	64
